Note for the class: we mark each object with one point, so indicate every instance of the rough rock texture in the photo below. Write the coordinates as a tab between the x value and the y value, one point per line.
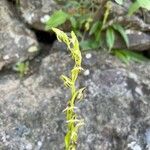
36	12
115	107
116	103
138	41
147	17
15	38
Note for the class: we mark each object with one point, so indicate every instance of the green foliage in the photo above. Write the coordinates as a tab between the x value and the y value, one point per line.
93	33
128	56
110	31
58	18
80	18
133	8
137	4
121	30
22	68
96	26
110	38
110	35
80	14
73	121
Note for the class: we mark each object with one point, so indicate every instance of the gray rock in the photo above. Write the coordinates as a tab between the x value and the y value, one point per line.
147	17
15	38
116	114
57	46
138	41
35	13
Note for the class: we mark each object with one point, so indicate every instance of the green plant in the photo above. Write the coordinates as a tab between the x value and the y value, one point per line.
22	68
73	121
58	18
93	33
128	56
80	14
138	4
111	29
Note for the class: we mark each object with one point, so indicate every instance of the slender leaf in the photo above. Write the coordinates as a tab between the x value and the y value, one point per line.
133	8
110	38
122	32
121	56
94	27
127	56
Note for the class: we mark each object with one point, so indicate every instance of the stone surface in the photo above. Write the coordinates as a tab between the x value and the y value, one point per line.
115	107
15	38
147	17
138	41
116	101
35	13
